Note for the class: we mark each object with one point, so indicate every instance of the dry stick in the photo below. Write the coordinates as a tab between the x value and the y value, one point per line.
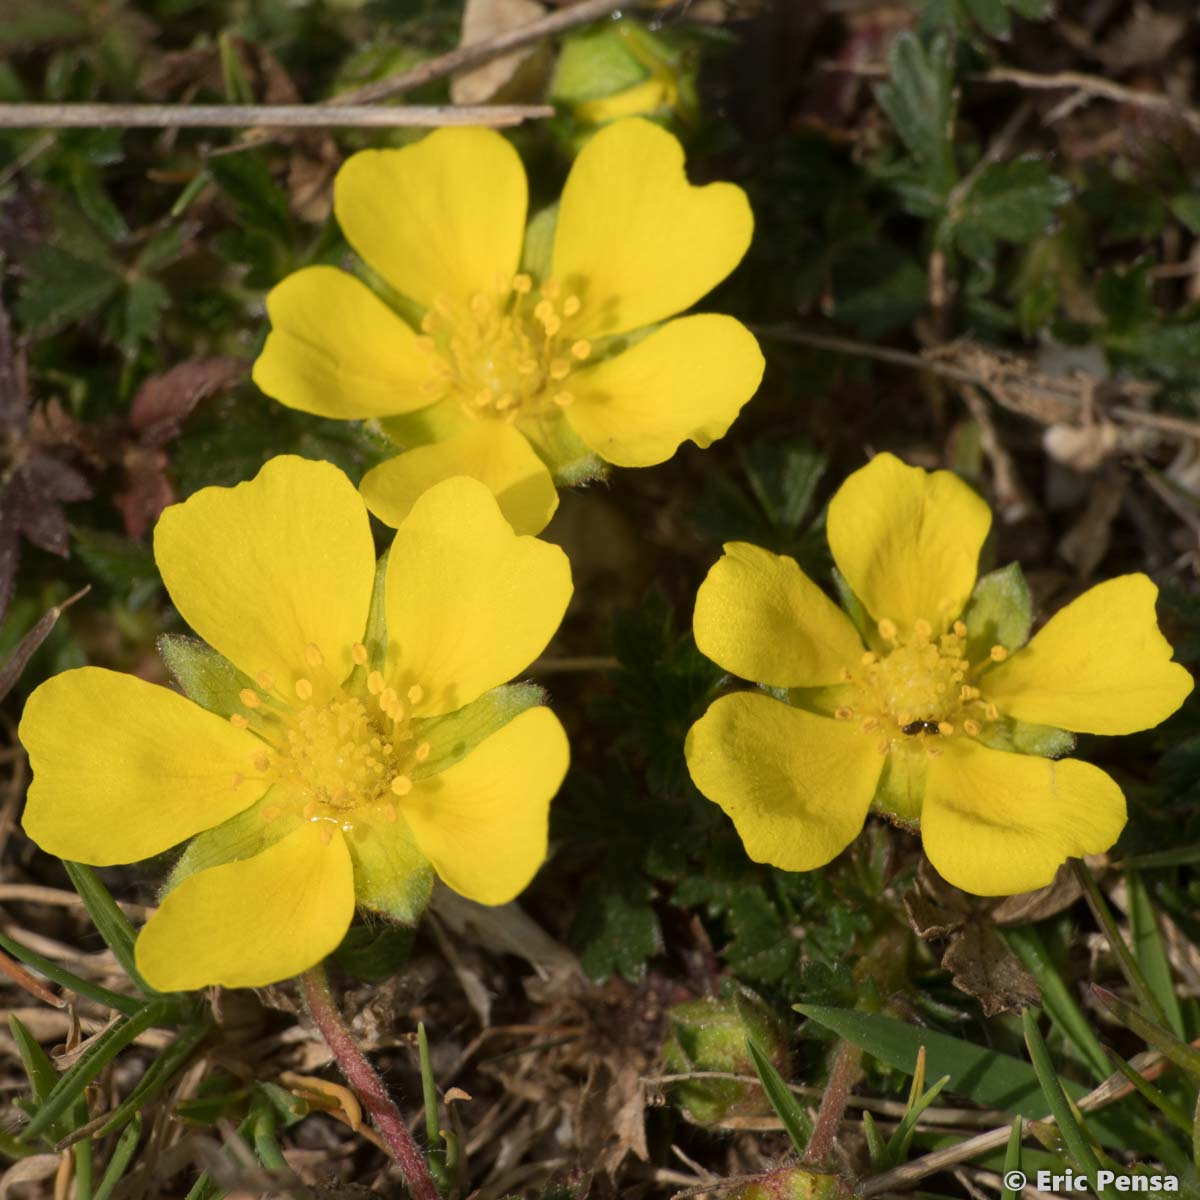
300	116
478	53
367	1085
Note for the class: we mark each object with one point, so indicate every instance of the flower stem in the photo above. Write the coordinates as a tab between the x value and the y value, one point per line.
842	1073
367	1085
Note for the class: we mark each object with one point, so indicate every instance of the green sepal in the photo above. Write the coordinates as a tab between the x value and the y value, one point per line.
1023	737
593	65
854	608
538	251
391	875
567	457
437	422
901	788
241	837
205	676
1000	612
453	736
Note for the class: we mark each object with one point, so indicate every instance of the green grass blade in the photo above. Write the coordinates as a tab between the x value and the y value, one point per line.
38	1067
1078	1145
1150	952
81	987
1012	1160
901	1140
1180	1053
787	1108
122	1156
111	923
1057	998
99	1054
876	1146
1152	1095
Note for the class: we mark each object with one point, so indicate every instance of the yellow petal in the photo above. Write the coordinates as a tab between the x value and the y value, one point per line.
688	379
469	603
490	451
253	922
482	823
123	769
266	569
1100	665
907	541
996	823
335	349
759	616
797	786
442	217
635	241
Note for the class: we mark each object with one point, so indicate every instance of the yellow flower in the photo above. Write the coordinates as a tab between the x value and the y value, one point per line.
924	714
518	369
354	748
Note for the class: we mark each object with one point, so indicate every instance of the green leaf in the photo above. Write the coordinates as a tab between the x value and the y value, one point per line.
375	951
64	978
38	1067
595	64
616	931
1184	1056
986	1076
1007	202
787	1109
1012	1160
122	1156
919	101
1000	612
992	16
260	205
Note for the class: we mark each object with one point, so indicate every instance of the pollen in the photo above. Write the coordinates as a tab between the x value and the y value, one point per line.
249	698
304	688
401	785
313	655
997	654
358	652
375	683
502	353
238	721
416	694
887	629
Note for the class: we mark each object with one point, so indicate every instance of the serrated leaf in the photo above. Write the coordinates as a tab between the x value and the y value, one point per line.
919	100
1000	612
616	930
1007	202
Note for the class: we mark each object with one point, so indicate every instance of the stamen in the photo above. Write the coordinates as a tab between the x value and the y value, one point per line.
238	721
887	629
304	689
997	654
945	728
843	713
559	369
421	753
571	305
326	834
581	349
430	323
868	658
522	284
543	310
563	399
375	683
358	652
416	693
870	725
922	628
309	811
313	655
387	698
551	289
971	727
261	761
389	813
236	780
266	680
402	785
272	812
960	629
993	713
249	698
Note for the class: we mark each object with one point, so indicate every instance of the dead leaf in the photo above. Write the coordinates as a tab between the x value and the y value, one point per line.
165	401
509	74
1027	907
35	1169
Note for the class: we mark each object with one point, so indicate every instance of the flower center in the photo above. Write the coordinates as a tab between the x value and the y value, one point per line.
503	354
919	688
340	760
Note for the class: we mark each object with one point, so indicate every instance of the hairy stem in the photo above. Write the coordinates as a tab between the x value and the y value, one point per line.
367	1085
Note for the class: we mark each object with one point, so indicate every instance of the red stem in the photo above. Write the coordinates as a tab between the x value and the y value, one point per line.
842	1074
367	1085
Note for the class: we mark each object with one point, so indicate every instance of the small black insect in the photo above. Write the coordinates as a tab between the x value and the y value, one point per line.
915	727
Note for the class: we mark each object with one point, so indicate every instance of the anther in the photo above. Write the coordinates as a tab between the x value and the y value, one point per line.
922	628
868	658
563	399
249	698
266	680
552	325
571	305
505	401
326	834
238	721
904	719
375	683
581	349
389	813
236	780
993	713
261	761
971	727
997	654
887	629
309	811
429	322
933	752
402	785
543	310
421	753
480	305
272	812
844	713
416	693
484	397
884	746
522	285
960	629
945	728
313	655
844	675
358	652
559	369
551	289
387	698
304	689
870	725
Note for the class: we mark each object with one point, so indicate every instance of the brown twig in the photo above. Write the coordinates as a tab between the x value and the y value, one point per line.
367	1085
477	53
264	116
